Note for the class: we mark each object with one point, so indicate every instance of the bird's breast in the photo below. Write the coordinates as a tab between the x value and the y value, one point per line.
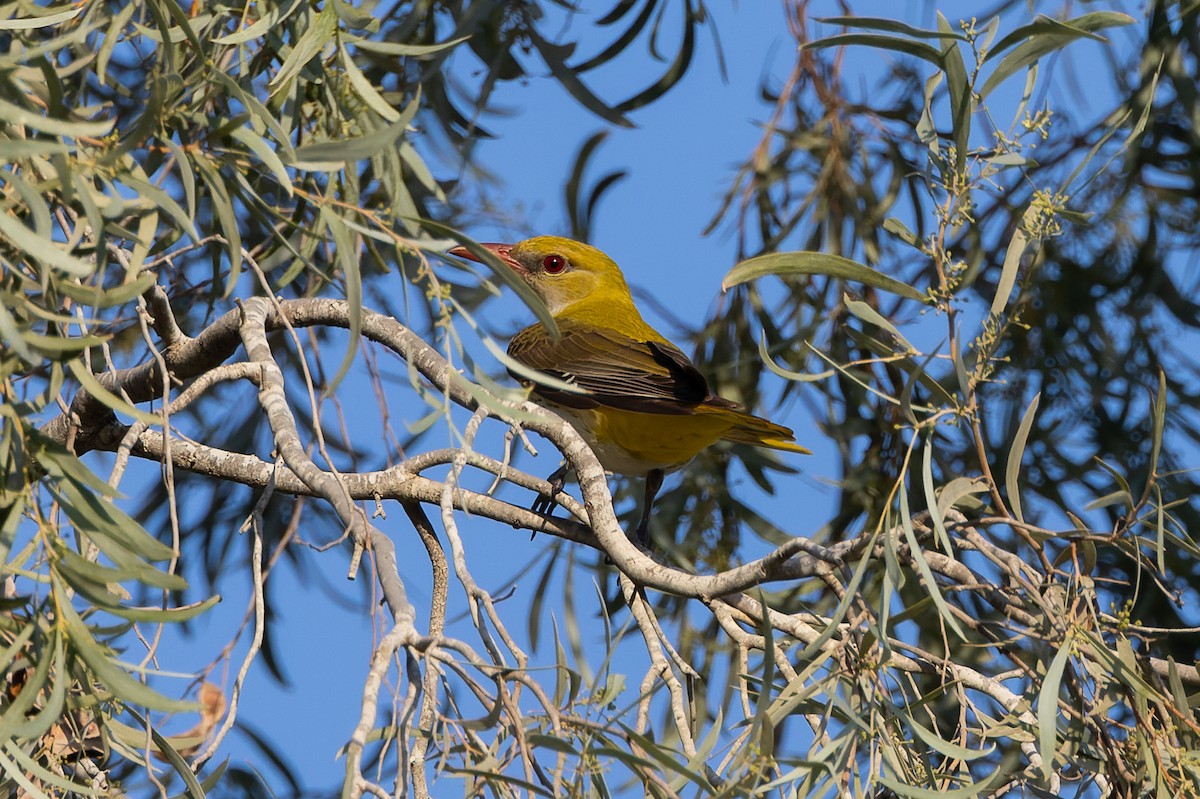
634	443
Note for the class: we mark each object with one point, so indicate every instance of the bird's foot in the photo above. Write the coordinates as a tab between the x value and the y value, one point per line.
546	503
642	535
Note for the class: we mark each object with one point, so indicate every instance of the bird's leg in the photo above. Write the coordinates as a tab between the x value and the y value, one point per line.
654	481
545	502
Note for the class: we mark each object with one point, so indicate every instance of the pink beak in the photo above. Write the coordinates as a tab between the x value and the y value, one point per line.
498	250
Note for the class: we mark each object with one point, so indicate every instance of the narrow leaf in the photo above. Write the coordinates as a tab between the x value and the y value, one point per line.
107	671
1047	711
311	43
872	317
891	26
918	559
879	42
1017	246
1045	39
93	386
40	249
785	264
1012	471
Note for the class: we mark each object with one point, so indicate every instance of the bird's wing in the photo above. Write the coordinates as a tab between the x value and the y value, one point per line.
616	370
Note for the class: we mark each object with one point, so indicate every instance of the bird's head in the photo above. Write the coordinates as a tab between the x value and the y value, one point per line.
561	271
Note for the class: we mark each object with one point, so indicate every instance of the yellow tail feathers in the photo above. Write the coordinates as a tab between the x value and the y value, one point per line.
756	431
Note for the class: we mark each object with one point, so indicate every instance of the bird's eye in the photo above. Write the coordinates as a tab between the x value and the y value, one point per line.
553	264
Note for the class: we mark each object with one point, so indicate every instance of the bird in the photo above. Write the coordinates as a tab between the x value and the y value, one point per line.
641	404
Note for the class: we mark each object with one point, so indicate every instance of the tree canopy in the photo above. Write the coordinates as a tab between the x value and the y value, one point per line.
233	344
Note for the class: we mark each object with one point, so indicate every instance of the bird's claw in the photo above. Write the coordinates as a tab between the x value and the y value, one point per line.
545	504
642	537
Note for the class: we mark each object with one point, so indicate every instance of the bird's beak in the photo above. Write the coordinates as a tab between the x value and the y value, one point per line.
501	251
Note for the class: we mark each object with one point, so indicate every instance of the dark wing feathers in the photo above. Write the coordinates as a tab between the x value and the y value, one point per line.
618	371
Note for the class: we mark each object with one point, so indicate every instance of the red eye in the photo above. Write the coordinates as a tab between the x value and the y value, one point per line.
553	264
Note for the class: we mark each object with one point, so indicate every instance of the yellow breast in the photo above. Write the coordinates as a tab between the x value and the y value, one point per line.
633	443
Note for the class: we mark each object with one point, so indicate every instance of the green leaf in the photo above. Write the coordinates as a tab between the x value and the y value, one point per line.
1044	25
13	713
674	71
664	758
957	489
1118	497
943	747
185	23
346	248
787	374
12	650
209	782
105	669
551	742
926	129
271	17
31	22
45	778
356	18
58	346
187	180
1158	417
111	37
18	149
366	90
843	606
785	264
63	464
266	154
332	155
872	317
402	49
936	515
99	516
16	116
764	734
44	250
20	776
194	789
900	230
1044	37
918	559
962	103
93	386
801	688
1047	709
874	40
1018	245
222	206
891	26
968	791
319	33
50	709
1012	471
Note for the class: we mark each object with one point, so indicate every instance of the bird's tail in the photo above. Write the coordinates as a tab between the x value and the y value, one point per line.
758	432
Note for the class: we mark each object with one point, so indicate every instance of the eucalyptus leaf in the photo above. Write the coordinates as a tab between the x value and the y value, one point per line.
311	42
1044	37
786	264
1016	453
112	675
894	43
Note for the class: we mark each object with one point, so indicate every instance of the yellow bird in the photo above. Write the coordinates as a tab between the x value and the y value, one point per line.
647	409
